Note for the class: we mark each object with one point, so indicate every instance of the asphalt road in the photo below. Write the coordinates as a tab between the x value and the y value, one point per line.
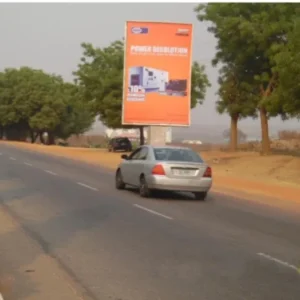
118	246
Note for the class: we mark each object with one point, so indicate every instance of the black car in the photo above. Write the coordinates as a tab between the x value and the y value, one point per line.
119	143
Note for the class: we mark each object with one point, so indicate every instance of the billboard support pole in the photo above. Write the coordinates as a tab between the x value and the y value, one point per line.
157	135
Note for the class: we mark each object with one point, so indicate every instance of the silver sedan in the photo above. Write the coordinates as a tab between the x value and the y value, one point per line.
164	168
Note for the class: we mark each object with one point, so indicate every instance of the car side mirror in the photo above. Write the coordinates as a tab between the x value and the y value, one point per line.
124	156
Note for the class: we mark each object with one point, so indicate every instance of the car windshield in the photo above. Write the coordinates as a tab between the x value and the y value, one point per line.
173	154
120	140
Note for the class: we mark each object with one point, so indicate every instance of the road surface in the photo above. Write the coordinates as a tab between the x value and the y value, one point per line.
114	245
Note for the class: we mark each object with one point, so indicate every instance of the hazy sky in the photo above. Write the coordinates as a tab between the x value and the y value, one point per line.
48	36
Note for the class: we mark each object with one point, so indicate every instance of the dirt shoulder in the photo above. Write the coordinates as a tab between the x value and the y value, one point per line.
276	176
26	271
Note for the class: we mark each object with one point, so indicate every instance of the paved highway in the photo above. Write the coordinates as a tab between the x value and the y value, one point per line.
117	246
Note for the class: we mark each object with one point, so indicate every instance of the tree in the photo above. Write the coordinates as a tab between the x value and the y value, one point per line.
62	114
286	98
252	35
14	109
100	73
101	76
235	98
78	116
33	102
199	84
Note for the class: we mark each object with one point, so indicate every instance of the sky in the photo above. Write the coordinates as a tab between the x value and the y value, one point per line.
48	36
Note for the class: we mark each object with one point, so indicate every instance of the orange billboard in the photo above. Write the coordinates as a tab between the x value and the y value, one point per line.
157	74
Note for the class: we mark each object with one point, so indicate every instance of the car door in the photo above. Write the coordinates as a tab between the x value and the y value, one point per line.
138	165
128	167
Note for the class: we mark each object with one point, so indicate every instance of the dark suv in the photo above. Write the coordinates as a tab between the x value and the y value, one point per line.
119	143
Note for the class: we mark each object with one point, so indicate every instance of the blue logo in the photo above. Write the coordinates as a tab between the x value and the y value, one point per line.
139	30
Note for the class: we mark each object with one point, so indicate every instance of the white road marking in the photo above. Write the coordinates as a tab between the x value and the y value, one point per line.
87	186
1	297
0	154
12	158
27	164
153	212
50	172
280	262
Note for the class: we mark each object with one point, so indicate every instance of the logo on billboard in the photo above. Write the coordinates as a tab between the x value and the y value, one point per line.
139	30
182	32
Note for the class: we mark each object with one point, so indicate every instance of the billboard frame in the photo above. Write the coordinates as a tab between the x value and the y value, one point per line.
124	72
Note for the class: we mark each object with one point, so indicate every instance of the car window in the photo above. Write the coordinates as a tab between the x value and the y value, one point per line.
143	154
173	154
135	155
122	140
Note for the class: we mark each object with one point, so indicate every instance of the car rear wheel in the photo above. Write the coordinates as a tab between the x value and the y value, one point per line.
120	185
145	192
200	195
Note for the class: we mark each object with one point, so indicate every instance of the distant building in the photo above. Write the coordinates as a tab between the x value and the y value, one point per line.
194	142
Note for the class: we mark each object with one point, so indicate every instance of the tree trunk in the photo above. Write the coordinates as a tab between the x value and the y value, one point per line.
142	136
1	132
234	133
33	136
265	140
42	138
51	138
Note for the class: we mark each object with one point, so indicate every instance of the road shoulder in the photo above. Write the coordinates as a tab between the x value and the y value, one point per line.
26	271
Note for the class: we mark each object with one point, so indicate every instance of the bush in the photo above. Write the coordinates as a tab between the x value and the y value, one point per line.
63	143
289	135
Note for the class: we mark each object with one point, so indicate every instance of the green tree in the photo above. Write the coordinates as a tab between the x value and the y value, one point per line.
286	97
78	116
100	73
13	111
236	98
34	102
199	84
252	35
62	114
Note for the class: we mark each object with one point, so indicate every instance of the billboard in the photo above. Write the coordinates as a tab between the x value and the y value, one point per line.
157	74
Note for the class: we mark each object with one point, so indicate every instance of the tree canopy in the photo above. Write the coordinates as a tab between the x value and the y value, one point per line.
255	38
33	102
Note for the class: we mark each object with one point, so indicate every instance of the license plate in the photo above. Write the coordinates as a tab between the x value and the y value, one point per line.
183	172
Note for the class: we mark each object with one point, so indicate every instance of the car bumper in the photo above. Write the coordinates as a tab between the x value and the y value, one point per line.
179	184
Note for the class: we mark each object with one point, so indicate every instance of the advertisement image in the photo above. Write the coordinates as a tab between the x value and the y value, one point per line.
157	74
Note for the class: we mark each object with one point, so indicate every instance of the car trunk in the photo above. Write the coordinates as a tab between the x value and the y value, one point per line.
184	169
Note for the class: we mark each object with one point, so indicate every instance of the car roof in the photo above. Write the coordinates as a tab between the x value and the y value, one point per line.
168	147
